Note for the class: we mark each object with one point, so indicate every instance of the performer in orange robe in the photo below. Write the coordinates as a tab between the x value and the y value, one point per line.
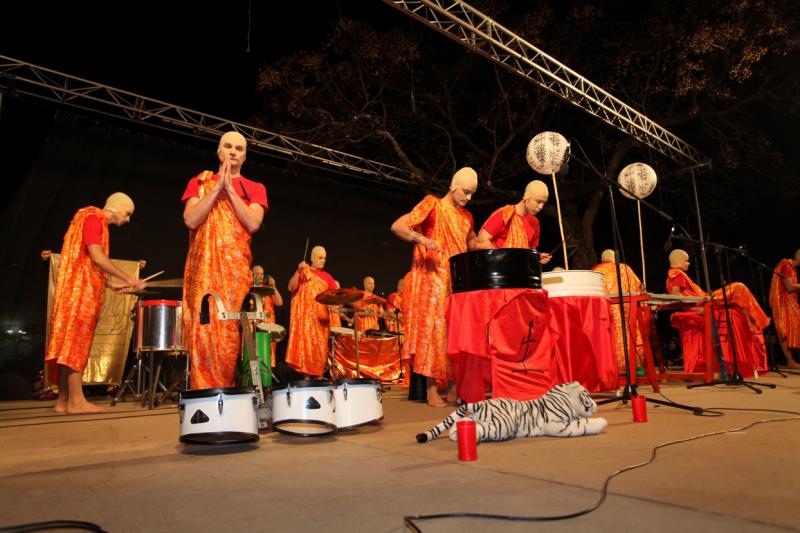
268	301
678	282
222	211
394	316
367	314
785	309
439	229
515	226
80	286
309	322
630	284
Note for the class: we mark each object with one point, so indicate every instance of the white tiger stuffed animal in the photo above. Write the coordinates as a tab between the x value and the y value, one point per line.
564	411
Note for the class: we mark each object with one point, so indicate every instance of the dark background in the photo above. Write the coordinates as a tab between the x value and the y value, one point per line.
206	58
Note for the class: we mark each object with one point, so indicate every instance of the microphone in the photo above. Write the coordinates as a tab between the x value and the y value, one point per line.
668	244
742	248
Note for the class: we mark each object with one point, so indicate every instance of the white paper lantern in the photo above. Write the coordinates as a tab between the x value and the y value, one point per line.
638	178
547	152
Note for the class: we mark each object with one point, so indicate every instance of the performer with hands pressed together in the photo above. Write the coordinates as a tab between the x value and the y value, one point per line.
222	210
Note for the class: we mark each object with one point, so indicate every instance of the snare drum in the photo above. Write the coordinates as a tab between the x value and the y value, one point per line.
218	416
347	332
159	326
276	332
304	408
358	402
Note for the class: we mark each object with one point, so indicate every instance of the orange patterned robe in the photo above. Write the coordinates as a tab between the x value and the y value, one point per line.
515	236
363	323
737	293
630	284
80	286
392	322
218	262
785	309
309	325
427	289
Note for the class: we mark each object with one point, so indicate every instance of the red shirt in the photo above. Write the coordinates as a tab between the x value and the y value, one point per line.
256	191
499	231
92	230
327	277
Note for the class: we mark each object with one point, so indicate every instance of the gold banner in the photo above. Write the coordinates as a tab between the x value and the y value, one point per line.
112	336
378	358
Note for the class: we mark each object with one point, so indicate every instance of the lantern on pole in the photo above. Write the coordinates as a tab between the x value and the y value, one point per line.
638	181
547	152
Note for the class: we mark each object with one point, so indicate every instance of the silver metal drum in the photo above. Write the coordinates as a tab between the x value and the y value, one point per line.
159	326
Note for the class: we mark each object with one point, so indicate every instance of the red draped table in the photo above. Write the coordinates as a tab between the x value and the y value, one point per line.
519	342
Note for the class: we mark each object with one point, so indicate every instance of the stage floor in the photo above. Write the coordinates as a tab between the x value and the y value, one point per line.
127	472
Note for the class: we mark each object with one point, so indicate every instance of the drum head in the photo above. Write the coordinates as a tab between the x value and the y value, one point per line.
342	331
207	393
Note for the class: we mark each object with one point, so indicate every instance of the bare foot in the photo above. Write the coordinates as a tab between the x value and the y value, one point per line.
434	400
86	408
61	404
452	395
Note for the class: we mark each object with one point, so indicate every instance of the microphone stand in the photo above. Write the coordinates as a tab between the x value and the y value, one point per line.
630	389
735	378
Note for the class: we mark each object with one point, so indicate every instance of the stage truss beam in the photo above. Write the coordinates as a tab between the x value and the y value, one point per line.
481	34
18	78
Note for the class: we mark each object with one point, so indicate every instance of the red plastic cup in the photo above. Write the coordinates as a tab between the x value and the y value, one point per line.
467	442
639	405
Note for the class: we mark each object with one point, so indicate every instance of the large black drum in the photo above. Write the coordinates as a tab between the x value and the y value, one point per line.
500	268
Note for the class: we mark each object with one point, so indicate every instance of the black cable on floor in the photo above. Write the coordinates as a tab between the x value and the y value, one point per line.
409	521
53	524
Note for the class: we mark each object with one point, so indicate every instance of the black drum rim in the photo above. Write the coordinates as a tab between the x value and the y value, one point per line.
276	425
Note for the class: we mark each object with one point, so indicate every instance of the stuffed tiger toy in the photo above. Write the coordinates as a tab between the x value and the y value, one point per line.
564	411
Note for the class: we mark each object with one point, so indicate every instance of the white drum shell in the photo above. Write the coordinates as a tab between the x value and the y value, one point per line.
357	404
307	411
573	283
221	418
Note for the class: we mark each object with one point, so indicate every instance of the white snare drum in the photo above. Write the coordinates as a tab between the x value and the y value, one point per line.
276	332
358	402
218	416
347	332
573	283
304	408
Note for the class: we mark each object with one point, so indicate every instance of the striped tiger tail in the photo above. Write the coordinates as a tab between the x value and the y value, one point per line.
446	424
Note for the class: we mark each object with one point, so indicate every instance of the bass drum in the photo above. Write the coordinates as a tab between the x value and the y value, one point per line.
304	408
218	416
358	402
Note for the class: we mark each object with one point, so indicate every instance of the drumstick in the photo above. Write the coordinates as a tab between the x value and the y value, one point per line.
306	250
148	278
556	248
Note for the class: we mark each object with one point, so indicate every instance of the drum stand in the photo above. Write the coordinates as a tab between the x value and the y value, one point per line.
144	382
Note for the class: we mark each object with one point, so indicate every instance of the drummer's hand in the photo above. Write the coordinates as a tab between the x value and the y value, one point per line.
45	255
301	266
545	258
271	282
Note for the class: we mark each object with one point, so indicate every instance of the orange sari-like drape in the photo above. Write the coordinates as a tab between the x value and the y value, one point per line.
785	309
517	237
630	284
392	320
218	262
737	294
365	322
426	292
80	286
309	325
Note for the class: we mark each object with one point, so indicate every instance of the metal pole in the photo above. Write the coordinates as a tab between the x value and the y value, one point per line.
702	236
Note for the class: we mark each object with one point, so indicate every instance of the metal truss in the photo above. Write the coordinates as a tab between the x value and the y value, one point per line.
18	78
475	30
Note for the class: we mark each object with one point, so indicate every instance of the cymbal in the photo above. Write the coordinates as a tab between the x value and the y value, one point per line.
375	299
339	296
